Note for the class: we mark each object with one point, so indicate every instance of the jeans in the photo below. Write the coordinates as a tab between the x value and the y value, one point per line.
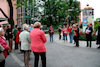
64	37
51	38
43	58
71	38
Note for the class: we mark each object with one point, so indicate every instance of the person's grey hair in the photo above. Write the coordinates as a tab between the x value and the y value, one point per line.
37	24
26	27
74	25
1	29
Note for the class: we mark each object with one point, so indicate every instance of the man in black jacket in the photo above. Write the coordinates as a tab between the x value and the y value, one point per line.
88	32
98	35
59	30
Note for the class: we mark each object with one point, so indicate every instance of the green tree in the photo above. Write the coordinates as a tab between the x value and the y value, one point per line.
96	24
73	11
32	12
54	12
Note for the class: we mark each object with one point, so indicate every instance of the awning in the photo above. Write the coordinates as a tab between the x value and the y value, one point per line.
3	19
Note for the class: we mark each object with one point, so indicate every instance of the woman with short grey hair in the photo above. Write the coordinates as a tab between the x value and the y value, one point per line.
25	44
38	39
3	48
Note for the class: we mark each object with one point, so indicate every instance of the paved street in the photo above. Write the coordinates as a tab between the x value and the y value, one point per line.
60	54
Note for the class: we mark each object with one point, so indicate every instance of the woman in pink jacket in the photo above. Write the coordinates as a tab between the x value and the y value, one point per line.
65	33
38	39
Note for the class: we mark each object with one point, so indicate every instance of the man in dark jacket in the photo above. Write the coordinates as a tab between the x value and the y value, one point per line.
98	35
77	36
88	32
59	30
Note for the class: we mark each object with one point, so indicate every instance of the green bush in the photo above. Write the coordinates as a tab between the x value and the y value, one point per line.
83	38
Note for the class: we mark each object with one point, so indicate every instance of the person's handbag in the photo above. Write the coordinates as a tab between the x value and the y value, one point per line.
65	32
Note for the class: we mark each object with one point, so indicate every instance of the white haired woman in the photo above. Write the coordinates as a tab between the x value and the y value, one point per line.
25	44
3	48
38	39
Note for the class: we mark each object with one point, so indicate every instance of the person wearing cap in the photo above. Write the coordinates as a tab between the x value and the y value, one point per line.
98	35
88	33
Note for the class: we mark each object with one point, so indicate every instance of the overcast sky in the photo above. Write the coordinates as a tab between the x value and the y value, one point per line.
94	4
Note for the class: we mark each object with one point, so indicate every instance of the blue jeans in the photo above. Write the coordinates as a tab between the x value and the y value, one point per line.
64	37
71	38
51	38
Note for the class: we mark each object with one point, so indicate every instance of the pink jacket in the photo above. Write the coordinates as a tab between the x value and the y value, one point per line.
65	30
5	45
38	39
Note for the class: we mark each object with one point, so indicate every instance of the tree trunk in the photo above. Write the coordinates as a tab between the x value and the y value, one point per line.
11	21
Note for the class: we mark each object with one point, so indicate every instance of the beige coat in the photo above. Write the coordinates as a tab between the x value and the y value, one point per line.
25	40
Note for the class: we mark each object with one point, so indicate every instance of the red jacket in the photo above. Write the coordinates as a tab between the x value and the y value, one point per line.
5	45
70	30
65	30
17	37
38	39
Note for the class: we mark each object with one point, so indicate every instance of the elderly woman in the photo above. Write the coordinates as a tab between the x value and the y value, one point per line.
25	44
38	39
3	48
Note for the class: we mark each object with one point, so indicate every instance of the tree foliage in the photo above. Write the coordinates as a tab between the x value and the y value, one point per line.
54	12
74	12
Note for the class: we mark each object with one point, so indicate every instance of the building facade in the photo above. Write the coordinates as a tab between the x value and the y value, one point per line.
5	7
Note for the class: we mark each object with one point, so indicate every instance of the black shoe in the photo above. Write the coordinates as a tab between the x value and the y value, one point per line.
86	46
98	47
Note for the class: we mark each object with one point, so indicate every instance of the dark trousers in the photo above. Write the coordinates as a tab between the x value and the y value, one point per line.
16	45
89	38
43	58
76	39
2	64
59	35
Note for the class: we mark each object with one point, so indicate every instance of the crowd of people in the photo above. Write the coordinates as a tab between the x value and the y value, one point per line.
32	38
72	31
74	34
27	39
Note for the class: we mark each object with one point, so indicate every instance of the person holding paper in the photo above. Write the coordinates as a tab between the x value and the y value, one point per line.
88	32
